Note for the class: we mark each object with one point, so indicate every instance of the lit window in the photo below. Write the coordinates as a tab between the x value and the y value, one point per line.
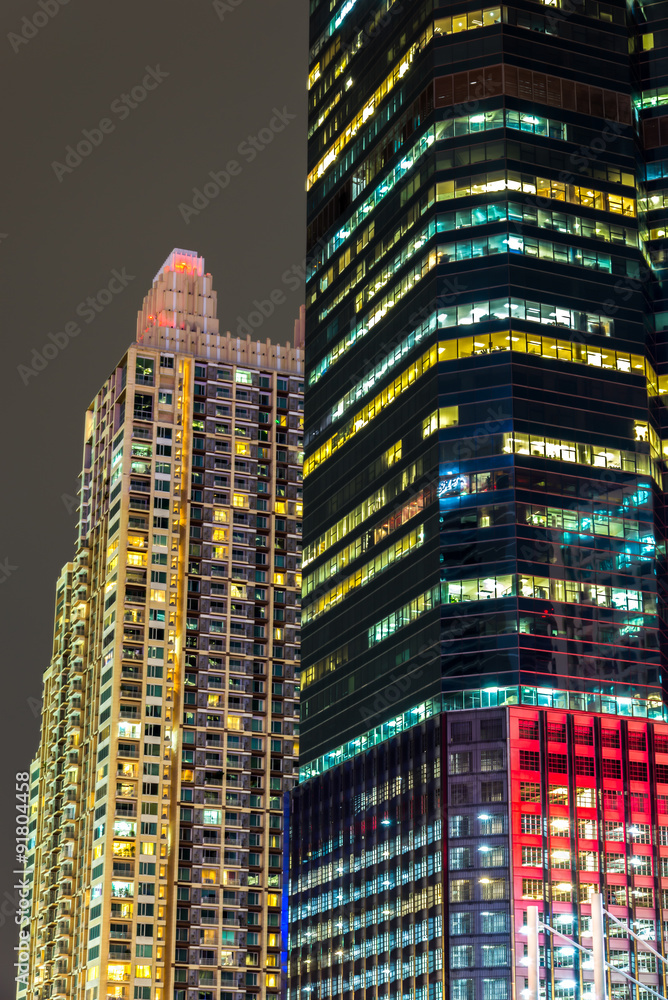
212	817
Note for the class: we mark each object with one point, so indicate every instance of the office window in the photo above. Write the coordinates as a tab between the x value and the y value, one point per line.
532	857
491	729
556	732
461	956
494	955
640	833
532	888
587	829
492	791
585	797
637	770
461	923
495	989
529	791
585	765
462	989
489	825
460	826
461	857
491	760
559	826
531	823
459	795
558	795
461	890
557	762
493	888
494	923
460	763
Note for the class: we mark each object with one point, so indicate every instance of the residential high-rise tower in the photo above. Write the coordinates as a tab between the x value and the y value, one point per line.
169	733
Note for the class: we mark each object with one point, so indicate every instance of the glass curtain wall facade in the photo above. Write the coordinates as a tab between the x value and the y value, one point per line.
484	422
484	455
169	728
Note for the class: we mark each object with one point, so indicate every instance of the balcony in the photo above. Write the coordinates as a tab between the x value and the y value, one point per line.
139	503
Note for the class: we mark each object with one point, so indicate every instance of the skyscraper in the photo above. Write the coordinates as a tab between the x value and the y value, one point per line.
485	356
169	734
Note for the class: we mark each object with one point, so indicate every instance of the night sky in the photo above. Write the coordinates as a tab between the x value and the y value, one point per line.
217	82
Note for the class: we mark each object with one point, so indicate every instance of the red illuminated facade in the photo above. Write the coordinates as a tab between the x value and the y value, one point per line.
589	813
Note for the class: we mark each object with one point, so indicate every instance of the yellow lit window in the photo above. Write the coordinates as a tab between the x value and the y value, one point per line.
118	973
298	509
219	535
280	507
221	516
97	852
112	548
364	574
123	849
272	941
272	960
147	848
279	579
92	972
393	454
233	722
112	565
278	633
272	981
137	541
136	558
142	971
214	700
237	591
272	899
430	424
220	552
400	68
239	500
209	876
158	596
242	448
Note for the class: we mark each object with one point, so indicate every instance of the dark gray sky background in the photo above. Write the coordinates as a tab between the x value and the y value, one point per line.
119	209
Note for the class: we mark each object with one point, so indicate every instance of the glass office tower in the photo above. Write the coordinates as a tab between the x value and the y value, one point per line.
483	422
485	360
